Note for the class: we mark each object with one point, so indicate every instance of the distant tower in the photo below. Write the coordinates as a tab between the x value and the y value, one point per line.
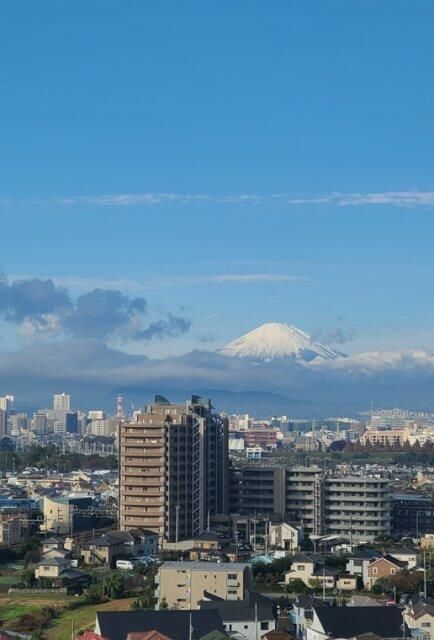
120	415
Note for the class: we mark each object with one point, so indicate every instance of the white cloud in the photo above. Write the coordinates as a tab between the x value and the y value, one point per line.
83	282
398	198
406	198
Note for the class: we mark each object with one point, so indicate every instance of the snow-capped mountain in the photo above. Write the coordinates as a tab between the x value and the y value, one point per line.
276	340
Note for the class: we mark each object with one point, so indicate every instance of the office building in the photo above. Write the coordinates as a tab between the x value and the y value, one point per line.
173	468
61	402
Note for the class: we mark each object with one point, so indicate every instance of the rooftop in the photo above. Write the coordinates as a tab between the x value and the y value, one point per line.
210	567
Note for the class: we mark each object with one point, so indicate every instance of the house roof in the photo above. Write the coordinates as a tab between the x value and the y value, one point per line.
403	551
116	625
397	563
50	541
362	601
147	635
87	635
328	571
304	557
365	554
276	635
347	622
238	610
209	567
308	601
53	562
422	607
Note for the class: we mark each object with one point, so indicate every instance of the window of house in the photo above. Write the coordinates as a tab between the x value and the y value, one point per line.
300	567
393	571
374	570
246	626
264	626
232	592
426	625
232	576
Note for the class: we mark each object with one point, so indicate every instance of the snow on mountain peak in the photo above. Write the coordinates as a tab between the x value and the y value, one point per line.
278	340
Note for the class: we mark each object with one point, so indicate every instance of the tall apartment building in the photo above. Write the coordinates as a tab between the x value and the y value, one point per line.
173	468
355	507
3	422
61	402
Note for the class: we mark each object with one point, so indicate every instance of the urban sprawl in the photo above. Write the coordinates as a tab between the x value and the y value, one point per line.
181	522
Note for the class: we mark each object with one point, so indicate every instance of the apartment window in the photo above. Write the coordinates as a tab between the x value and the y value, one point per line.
232	592
246	626
231	576
264	626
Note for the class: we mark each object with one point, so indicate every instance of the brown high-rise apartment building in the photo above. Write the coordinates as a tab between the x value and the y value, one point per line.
173	468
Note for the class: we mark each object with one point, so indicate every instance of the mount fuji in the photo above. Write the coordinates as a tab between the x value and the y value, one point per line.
274	341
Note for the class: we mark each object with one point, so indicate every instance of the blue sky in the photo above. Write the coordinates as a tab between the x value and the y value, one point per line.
233	163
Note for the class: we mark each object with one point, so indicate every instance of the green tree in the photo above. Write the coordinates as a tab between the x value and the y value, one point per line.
296	585
114	586
163	605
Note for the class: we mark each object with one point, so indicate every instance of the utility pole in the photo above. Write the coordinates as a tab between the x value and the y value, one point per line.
323	584
254	532
177	523
266	536
208	521
256	621
424	574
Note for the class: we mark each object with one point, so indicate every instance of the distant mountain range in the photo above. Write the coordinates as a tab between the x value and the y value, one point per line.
275	369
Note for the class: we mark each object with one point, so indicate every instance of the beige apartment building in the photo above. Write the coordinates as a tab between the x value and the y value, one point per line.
388	438
173	468
183	584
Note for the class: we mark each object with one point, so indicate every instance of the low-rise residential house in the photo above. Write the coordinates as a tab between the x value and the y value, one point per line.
301	614
49	544
347	582
177	625
420	615
250	617
383	568
51	568
406	554
302	567
104	550
359	562
351	622
285	536
312	570
109	547
183	584
324	576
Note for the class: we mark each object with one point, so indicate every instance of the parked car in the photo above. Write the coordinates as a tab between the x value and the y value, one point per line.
124	564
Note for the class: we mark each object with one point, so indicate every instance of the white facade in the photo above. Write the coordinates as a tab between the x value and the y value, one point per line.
61	402
285	536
